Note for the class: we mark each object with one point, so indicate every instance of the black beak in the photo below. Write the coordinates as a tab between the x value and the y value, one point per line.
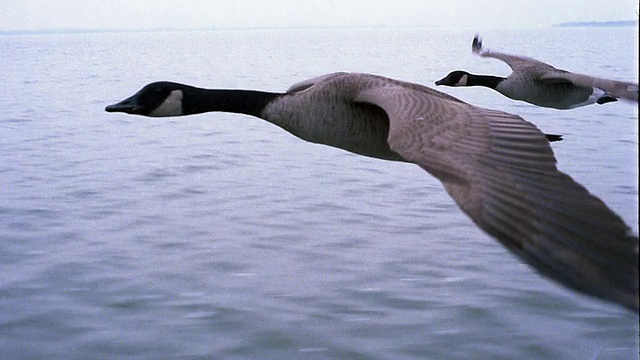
440	82
128	105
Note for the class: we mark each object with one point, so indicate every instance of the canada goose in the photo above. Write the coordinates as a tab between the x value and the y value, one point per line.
541	84
498	168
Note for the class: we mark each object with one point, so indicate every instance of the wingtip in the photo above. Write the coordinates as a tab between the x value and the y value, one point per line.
476	46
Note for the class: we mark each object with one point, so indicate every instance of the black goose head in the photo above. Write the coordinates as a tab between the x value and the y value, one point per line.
455	78
157	99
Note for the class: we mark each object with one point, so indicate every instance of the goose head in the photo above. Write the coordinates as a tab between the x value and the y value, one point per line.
158	99
455	78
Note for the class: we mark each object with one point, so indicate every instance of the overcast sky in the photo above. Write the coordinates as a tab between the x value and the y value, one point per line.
142	14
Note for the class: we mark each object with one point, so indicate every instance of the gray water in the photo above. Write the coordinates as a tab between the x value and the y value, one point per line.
221	236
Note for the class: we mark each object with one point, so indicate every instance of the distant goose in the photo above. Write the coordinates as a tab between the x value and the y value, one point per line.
541	84
498	168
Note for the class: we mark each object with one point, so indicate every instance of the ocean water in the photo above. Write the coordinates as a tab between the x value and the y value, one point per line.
220	236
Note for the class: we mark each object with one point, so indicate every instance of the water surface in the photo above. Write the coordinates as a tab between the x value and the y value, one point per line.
222	236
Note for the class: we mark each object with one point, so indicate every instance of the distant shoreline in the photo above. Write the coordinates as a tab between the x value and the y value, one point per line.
598	23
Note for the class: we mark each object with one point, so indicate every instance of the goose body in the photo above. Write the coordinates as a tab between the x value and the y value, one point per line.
541	84
499	168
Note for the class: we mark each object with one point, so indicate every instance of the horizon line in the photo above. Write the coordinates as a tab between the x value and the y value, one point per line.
87	30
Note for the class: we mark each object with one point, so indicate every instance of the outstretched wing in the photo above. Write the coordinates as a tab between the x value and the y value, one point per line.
501	172
514	62
619	89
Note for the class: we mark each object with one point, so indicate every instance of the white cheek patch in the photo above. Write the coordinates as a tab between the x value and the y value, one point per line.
462	81
171	106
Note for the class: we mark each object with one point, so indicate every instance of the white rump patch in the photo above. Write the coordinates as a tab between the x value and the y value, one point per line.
597	94
171	106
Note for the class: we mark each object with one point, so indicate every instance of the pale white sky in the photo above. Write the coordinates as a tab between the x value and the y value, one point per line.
141	14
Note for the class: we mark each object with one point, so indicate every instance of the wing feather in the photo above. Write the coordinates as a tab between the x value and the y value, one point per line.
502	173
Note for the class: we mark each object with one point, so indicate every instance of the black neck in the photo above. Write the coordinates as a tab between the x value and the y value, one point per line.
484	80
236	101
